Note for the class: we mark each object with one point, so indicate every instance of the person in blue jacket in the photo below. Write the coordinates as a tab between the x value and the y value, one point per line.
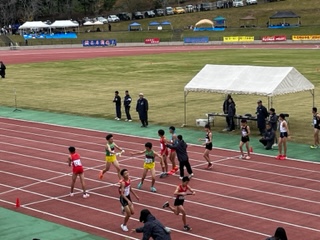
142	109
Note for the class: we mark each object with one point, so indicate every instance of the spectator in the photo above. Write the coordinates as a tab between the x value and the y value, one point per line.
117	101
142	108
273	120
127	105
109	27
225	107
2	70
280	234
268	137
152	227
231	114
262	114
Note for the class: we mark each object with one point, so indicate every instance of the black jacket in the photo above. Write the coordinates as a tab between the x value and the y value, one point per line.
269	135
154	229
127	101
181	150
117	100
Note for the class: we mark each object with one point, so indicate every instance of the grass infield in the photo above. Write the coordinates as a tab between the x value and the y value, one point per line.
86	87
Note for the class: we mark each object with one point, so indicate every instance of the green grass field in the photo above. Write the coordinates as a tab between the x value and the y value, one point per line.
86	87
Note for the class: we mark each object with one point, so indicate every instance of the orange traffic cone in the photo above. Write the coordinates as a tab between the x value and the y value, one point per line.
17	202
251	149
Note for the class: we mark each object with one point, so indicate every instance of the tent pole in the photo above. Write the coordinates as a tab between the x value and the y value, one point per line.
185	109
312	93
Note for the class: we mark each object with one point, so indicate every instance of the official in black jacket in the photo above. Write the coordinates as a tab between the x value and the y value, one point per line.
142	108
181	149
152	228
2	70
127	105
268	137
117	101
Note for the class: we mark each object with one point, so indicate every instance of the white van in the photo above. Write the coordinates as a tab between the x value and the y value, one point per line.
169	11
237	3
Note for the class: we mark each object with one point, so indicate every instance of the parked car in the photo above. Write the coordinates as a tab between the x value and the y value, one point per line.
237	3
149	14
113	18
189	8
205	7
137	15
102	19
179	10
124	16
169	11
251	2
159	12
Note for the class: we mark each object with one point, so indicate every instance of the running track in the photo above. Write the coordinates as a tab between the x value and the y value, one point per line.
242	199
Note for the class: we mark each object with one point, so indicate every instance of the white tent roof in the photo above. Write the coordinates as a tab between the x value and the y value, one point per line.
64	23
34	24
233	79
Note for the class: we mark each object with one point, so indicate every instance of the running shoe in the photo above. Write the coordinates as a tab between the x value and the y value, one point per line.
153	189
187	228
126	120
164	174
171	172
166	204
71	194
279	157
101	175
283	157
124	228
210	166
242	156
175	168
248	157
130	120
139	185
86	195
191	175
314	146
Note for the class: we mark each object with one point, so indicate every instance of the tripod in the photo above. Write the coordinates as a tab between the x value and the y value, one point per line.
15	101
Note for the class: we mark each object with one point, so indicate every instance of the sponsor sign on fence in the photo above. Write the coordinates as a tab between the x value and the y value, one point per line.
152	41
305	37
196	40
274	38
239	39
99	43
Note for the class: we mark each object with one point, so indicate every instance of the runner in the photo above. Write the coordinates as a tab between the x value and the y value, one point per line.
282	142
111	156
125	199
164	153
149	164
208	145
77	170
245	132
316	127
172	155
180	193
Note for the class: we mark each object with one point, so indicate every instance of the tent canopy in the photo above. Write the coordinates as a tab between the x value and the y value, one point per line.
154	24
241	79
284	14
203	22
165	23
134	26
64	24
34	24
157	24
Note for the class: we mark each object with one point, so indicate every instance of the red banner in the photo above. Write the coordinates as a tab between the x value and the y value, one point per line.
274	38
152	41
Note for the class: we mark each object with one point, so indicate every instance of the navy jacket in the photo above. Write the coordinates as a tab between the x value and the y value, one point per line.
127	101
181	150
154	229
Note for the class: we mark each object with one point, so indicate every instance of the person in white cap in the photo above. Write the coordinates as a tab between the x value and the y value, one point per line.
142	109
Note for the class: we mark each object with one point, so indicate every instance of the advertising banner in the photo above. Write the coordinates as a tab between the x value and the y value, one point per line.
305	37
99	43
152	41
196	40
274	38
239	39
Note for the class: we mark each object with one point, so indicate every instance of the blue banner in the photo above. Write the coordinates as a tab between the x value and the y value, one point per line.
99	43
196	40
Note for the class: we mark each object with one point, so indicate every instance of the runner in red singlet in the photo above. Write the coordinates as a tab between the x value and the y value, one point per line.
164	153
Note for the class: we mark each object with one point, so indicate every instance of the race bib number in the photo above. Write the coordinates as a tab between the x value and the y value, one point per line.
314	121
148	160
77	163
181	197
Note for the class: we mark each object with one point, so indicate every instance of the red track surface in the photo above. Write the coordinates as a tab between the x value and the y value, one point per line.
238	199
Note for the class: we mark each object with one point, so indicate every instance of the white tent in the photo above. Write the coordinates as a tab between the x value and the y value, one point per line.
256	80
64	24
34	24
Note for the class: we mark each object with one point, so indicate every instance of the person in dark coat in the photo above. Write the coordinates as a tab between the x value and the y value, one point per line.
262	114
280	234
231	114
117	101
181	149
152	227
273	120
225	108
127	105
268	137
2	70
142	108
